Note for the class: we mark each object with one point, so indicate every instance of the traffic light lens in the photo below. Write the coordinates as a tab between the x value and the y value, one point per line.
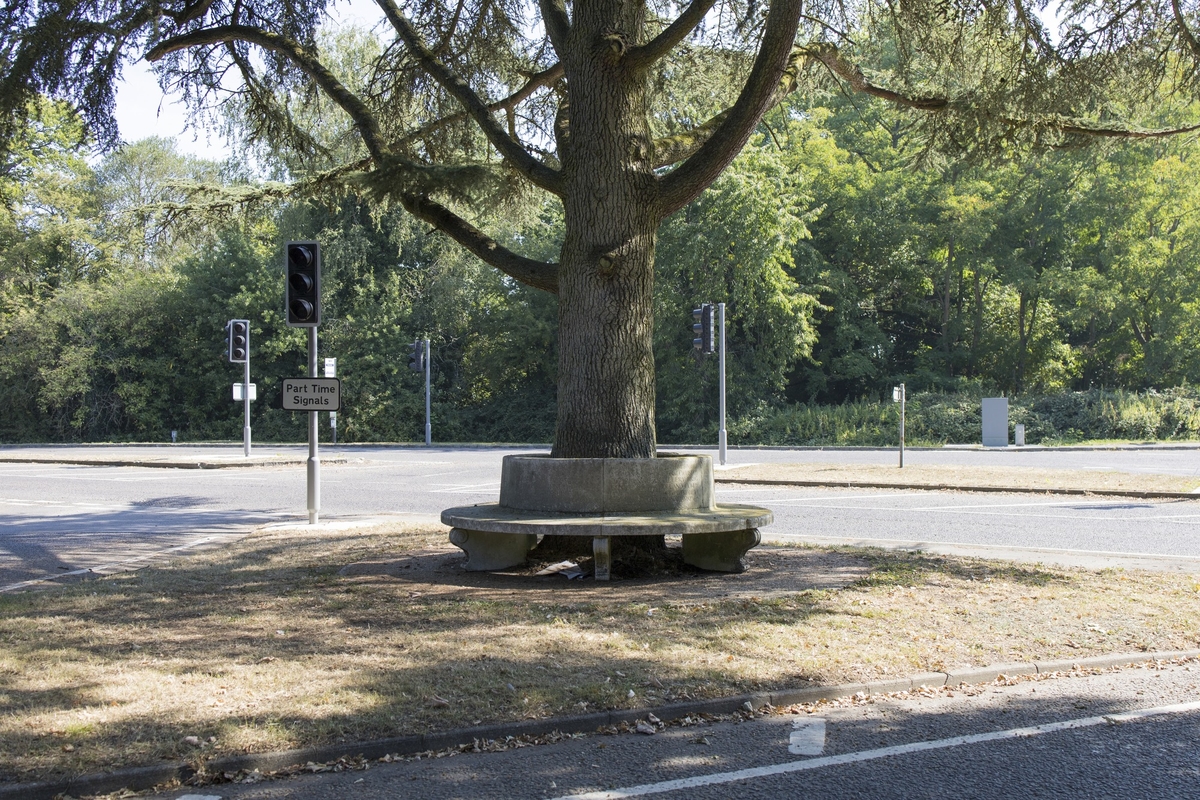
301	283
239	353
301	257
302	309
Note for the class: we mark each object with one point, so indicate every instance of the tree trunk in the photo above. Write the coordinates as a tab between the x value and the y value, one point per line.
606	272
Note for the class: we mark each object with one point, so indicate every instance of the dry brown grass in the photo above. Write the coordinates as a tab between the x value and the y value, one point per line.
1024	478
293	638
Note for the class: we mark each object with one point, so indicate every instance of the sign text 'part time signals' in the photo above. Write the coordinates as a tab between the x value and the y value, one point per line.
312	394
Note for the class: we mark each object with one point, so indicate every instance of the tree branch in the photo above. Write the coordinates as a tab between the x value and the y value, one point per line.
190	12
828	55
364	120
643	56
675	148
546	77
558	26
1108	133
1188	37
685	183
671	149
510	149
538	274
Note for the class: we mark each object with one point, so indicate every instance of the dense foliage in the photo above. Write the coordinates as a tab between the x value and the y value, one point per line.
848	259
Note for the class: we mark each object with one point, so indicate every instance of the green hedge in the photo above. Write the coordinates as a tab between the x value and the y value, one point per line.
935	419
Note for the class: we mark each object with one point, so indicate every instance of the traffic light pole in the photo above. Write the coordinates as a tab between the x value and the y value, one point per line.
723	438
246	407
428	426
314	463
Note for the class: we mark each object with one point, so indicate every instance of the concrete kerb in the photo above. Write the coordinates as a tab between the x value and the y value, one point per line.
176	463
950	487
139	778
239	463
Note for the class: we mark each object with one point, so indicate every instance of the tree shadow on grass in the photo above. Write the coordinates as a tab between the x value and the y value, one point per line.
908	568
300	638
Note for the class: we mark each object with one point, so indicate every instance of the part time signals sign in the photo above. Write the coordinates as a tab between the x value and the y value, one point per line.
312	394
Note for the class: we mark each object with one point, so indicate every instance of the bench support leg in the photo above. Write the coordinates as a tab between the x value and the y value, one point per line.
719	552
602	557
487	551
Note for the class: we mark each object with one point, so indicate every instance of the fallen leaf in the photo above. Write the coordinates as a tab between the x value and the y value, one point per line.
438	702
646	728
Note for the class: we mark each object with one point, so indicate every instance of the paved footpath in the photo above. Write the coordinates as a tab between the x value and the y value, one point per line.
73	520
1129	733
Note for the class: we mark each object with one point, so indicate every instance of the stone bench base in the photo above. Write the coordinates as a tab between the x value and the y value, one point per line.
497	537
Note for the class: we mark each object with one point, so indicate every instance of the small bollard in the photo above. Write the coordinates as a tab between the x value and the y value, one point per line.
1019	435
174	436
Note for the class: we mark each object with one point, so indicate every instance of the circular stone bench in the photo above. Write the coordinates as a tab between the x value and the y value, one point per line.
601	498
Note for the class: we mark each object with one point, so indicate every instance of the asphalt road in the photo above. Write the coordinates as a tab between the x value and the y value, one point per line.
1128	734
59	518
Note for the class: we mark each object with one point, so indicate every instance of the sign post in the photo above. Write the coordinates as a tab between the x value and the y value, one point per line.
722	437
428	425
898	396
331	372
313	395
302	301
239	351
246	407
314	462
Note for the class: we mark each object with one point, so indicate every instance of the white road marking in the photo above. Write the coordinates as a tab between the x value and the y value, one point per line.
807	737
465	488
883	752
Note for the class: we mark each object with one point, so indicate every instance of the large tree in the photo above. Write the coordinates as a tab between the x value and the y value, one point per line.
580	100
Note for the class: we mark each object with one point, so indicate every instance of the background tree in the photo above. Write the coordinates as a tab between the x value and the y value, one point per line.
473	107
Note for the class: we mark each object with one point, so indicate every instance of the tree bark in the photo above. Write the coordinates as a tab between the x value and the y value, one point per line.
606	272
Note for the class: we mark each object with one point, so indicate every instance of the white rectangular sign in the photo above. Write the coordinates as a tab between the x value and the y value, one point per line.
237	391
312	394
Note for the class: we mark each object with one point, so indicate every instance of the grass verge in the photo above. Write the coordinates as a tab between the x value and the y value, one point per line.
294	637
1016	478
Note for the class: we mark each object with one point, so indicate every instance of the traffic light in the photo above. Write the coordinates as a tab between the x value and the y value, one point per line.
239	340
416	356
703	328
303	285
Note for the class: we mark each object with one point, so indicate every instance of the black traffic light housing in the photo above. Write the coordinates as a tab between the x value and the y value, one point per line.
703	328
239	340
416	356
302	266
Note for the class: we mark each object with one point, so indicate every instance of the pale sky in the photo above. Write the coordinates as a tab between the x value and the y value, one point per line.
143	111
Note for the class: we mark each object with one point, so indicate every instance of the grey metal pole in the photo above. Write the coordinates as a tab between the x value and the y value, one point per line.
903	397
723	438
246	406
428	425
314	463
